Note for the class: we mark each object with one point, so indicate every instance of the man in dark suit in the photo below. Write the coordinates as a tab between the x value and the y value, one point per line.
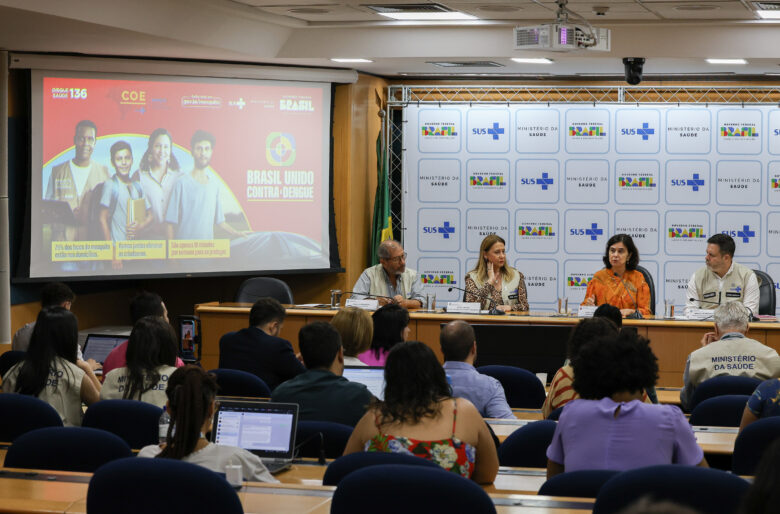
258	349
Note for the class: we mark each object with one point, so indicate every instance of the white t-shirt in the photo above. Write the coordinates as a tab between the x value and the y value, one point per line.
116	381
62	390
216	456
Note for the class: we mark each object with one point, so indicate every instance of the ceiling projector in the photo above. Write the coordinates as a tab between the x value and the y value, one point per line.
561	37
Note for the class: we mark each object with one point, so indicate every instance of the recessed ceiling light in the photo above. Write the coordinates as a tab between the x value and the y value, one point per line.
498	8
726	61
696	7
308	10
429	16
769	15
344	59
532	60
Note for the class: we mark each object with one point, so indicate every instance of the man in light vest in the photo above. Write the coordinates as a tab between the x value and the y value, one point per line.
727	351
722	280
391	281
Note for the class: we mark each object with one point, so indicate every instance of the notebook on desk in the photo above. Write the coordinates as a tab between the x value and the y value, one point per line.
98	346
266	429
373	377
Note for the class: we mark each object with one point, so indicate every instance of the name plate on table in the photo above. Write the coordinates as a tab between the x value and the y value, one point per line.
698	314
586	311
368	305
464	307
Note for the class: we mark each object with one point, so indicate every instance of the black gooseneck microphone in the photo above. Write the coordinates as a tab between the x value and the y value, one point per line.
492	310
321	460
753	317
368	295
636	314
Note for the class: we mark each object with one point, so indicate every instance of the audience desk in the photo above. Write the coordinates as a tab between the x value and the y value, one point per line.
671	340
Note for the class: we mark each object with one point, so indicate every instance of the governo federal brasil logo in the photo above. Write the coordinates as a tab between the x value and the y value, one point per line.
487	180
429	278
578	280
686	233
439	130
535	231
729	131
587	130
636	182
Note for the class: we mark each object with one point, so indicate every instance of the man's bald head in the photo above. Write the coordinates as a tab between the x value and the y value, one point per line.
456	340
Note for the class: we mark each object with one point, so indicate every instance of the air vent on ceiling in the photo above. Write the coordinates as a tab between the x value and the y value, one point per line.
408	8
309	10
696	7
466	64
767	6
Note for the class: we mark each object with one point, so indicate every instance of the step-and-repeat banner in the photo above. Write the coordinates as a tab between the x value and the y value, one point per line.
556	182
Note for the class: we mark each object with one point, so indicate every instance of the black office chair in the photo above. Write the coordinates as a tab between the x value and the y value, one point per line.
650	285
767	295
260	287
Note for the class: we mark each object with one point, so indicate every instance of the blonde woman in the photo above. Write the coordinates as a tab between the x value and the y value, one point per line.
356	329
493	279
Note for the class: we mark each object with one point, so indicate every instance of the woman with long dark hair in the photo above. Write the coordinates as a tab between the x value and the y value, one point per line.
391	326
50	369
151	359
191	393
419	417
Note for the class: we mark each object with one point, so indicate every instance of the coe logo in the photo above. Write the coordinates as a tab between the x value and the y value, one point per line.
133	96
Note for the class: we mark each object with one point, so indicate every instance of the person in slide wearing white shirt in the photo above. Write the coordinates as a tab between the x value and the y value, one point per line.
722	280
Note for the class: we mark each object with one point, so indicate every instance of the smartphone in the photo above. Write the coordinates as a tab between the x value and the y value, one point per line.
189	338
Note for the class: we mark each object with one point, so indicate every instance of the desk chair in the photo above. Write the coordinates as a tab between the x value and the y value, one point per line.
129	486
527	446
706	490
253	289
580	484
650	285
20	414
409	489
66	449
767	295
556	414
751	444
234	382
522	388
331	446
9	359
345	465
134	421
720	411
723	385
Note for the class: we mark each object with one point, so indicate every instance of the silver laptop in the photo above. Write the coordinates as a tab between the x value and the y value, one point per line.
98	346
264	428
370	376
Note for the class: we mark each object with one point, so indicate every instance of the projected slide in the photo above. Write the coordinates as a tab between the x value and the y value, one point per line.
153	176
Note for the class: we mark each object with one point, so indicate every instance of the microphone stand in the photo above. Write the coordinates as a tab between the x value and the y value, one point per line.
753	317
492	310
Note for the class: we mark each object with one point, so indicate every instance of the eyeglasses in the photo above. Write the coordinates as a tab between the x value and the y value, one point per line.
398	258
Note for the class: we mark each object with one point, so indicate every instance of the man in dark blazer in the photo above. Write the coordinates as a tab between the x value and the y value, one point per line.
258	349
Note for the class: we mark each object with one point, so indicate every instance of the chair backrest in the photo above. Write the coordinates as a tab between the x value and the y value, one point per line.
20	414
159	485
580	484
253	289
334	438
234	382
723	385
650	285
751	443
9	359
527	446
409	489
66	449
134	421
720	411
767	294
555	414
345	465
522	388
707	490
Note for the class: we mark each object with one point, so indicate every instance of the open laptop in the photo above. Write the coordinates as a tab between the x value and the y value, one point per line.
98	346
266	429
370	376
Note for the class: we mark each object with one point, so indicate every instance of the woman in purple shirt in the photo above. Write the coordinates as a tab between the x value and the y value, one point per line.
610	427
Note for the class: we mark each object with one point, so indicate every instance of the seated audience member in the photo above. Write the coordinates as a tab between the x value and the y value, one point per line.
764	403
763	497
143	304
321	392
356	329
50	369
420	417
610	427
191	393
391	326
610	312
459	346
727	351
561	391
258	349
151	356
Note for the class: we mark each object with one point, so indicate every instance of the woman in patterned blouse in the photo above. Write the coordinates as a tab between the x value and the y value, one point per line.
492	279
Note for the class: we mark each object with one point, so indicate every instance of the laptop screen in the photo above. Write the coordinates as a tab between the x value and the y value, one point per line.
98	346
266	429
371	377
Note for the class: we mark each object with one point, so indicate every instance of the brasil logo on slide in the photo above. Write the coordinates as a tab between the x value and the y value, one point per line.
280	149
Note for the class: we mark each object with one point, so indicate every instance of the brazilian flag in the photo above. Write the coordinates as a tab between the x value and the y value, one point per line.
382	228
